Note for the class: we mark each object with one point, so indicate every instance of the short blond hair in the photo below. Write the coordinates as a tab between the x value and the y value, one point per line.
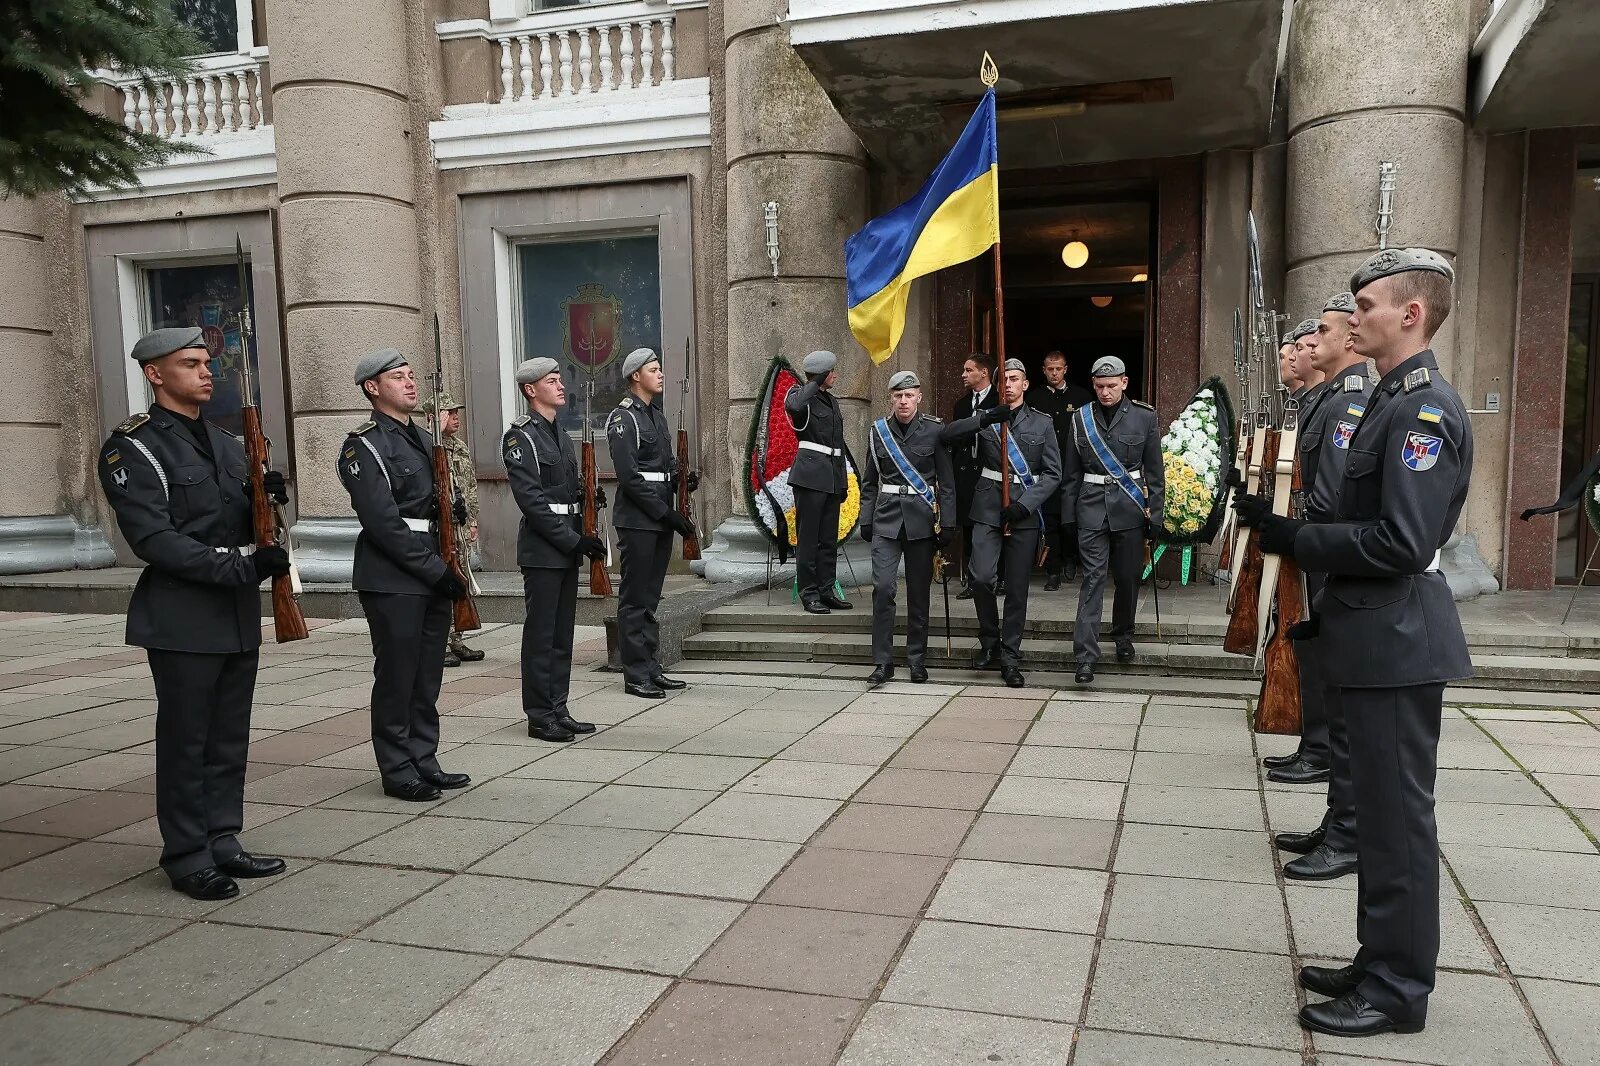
1434	292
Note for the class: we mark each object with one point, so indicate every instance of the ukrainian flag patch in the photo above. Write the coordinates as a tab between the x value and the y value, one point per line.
1428	413
1355	410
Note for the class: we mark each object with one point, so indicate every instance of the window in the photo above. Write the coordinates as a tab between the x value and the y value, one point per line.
587	304
208	297
215	21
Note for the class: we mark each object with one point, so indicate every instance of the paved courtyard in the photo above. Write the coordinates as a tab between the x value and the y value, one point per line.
766	868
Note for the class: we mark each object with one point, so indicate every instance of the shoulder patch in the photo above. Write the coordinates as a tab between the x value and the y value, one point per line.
1430	413
131	423
364	427
1355	383
1141	403
932	418
522	420
1418	378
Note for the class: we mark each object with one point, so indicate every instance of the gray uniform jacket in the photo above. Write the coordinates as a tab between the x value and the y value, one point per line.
542	466
1325	432
1405	483
1035	435
888	513
817	419
1134	437
176	506
387	468
641	443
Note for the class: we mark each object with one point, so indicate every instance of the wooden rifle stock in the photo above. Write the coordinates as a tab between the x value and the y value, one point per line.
466	611
691	543
1244	622
599	580
1005	475
287	621
1278	708
1242	464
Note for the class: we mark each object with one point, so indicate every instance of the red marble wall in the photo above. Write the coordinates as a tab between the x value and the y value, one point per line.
1180	206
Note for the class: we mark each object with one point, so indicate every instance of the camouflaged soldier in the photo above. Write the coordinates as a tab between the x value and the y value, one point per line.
1387	607
464	478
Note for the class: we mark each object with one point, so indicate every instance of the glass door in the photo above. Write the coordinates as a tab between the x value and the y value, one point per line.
1580	438
207	295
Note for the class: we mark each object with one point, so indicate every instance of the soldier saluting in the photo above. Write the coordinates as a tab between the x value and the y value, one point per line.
542	468
819	482
1386	606
646	518
908	492
405	588
179	487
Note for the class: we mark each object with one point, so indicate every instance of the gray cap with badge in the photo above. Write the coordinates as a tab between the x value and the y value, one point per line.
1014	364
904	379
819	363
531	370
1108	367
372	364
1393	261
1343	302
162	342
1304	329
637	359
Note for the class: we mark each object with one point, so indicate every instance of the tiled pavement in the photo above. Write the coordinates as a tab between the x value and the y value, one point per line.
763	869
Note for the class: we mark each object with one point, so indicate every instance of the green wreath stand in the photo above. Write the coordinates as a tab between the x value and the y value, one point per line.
1185	572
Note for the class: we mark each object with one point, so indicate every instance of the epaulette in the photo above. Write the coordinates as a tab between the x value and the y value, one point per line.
522	420
1355	382
626	401
365	427
932	418
1418	378
131	423
1141	403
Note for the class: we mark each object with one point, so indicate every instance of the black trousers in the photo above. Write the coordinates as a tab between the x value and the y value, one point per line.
645	555
202	747
886	553
551	597
1394	759
1122	551
995	555
408	644
816	550
1314	723
1060	541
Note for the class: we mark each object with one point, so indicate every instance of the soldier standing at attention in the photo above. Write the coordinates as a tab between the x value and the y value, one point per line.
406	591
1301	364
646	517
907	490
1033	461
180	490
1116	485
465	479
1058	399
977	374
1386	606
819	481
542	467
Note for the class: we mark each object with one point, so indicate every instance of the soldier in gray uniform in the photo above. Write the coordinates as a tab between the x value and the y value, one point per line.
179	487
542	467
1326	426
1386	607
1112	524
1035	468
908	492
819	481
646	517
406	591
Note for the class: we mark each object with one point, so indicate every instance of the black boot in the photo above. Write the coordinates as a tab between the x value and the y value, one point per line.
919	673
1052	581
986	659
549	730
880	673
466	654
1085	674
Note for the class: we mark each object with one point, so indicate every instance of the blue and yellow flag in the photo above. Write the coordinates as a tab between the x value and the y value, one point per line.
954	217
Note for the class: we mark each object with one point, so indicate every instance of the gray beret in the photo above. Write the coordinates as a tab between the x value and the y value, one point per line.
532	370
904	379
1393	261
1108	367
371	365
637	359
1343	302
1014	364
160	342
1304	329
819	363
1288	338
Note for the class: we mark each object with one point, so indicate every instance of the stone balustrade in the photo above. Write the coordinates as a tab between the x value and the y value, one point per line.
221	97
613	54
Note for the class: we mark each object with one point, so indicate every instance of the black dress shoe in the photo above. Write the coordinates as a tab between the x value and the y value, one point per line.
671	684
1352	1015
1331	981
1069	573
1272	762
466	654
965	593
418	791
1052	583
207	884
572	725
645	690
451	659
1300	843
444	780
880	674
919	674
836	603
1322	864
1085	675
245	864
1124	653
1300	772
549	730
985	659
1012	677
815	606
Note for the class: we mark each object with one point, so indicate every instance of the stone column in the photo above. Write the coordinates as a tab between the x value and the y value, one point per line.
785	142
348	236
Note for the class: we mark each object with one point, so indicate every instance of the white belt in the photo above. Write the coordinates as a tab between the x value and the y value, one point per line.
1106	479
418	525
243	549
994	475
565	508
812	446
1433	567
899	490
655	475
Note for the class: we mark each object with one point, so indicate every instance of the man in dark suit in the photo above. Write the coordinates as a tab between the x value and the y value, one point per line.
977	374
1058	399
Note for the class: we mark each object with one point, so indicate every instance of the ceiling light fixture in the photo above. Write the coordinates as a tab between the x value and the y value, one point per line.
1100	301
1075	254
1141	277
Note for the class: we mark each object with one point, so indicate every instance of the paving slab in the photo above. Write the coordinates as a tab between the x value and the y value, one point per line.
884	827
633	807
1567	1014
1079	764
491	915
872	882
797	949
583	764
75	872
1040	841
849	749
1545	941
1194	740
57	946
1574	790
1324	918
1032	897
722	740
1199	771
45	1035
513	799
929	788
711	1025
1198	913
1473	1020
576	854
994	970
1071	733
329	898
1217	854
429	843
974	730
673	770
1517	875
817	780
1057	798
897	1034
1096	1048
726	867
248	1049
761	817
317	832
1511	825
1487	786
635	931
1205	808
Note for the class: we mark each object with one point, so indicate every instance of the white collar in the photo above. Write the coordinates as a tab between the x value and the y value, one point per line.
977	397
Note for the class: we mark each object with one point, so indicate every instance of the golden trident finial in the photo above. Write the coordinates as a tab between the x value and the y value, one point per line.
988	73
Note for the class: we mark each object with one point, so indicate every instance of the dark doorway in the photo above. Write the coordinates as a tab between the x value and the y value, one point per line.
1580	436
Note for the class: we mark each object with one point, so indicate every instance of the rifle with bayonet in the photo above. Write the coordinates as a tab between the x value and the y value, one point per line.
1278	704
1244	623
266	518
1242	438
593	494
445	500
691	543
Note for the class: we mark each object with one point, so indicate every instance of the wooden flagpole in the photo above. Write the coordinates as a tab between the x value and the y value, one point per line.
989	74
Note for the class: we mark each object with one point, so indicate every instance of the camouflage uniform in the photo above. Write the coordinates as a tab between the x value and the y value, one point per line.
465	481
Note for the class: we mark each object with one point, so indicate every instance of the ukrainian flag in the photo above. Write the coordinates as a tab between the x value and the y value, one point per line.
954	217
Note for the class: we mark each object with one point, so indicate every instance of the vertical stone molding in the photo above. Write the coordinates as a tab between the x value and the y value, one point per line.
347	233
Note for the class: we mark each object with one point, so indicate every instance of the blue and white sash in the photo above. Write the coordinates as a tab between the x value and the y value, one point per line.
1018	461
907	471
1108	459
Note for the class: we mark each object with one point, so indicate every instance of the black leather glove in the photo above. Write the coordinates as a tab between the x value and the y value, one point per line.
1234	480
692	480
1278	533
450	586
995	415
600	500
947	537
276	487
1016	512
681	524
1152	530
458	508
1252	510
593	547
865	533
1307	630
271	561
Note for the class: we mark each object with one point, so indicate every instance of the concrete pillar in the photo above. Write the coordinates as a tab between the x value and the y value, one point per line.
785	142
348	236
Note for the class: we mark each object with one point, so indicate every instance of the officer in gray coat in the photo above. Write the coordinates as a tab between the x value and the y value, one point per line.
179	487
646	517
1116	487
819	482
542	468
1386	606
405	589
1034	460
908	493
